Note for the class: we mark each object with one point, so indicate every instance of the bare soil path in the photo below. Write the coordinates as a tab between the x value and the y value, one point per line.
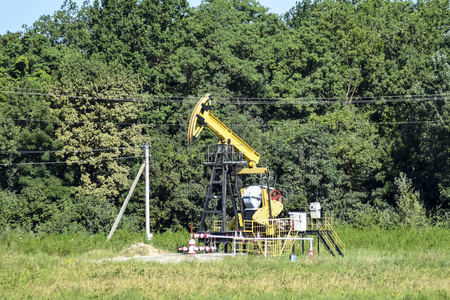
144	252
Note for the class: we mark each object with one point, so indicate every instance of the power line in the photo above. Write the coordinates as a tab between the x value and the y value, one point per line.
76	96
242	100
74	123
244	125
72	162
67	151
80	94
125	96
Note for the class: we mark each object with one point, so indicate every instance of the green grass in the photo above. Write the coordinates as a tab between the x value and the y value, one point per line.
380	264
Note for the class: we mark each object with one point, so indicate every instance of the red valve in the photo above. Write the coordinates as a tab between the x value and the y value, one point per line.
276	195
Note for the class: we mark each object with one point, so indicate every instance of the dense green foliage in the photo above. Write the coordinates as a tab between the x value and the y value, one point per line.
346	101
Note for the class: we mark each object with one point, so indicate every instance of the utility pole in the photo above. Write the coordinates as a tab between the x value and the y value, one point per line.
147	193
145	166
125	203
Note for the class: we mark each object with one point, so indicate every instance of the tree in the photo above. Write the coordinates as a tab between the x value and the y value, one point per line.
32	186
92	119
227	51
141	34
409	208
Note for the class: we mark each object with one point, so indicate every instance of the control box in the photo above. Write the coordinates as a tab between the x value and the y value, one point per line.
298	221
315	209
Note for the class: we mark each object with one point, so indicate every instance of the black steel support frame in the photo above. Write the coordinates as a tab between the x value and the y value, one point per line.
225	167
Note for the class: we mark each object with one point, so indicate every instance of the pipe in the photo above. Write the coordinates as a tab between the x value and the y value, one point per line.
260	238
192	246
200	248
239	237
200	235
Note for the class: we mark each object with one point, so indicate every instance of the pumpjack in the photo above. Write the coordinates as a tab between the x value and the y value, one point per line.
251	212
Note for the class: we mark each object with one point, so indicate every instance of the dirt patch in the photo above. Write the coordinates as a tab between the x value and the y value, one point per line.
141	249
175	257
144	252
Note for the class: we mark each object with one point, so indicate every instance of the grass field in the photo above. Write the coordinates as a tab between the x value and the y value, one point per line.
380	264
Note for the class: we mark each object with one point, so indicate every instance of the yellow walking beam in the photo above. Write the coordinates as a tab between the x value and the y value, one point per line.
202	116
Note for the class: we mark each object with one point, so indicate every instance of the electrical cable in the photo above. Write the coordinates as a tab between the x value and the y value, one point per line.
244	100
235	98
75	123
67	151
240	125
72	162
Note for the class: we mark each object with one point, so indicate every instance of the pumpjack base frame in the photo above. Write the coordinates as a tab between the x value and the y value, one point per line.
332	249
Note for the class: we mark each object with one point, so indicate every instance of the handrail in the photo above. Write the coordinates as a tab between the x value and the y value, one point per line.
324	225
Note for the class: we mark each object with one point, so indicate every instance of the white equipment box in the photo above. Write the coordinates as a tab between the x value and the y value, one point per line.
298	221
315	208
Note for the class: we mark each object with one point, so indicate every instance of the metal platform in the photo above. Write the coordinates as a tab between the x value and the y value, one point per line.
274	235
